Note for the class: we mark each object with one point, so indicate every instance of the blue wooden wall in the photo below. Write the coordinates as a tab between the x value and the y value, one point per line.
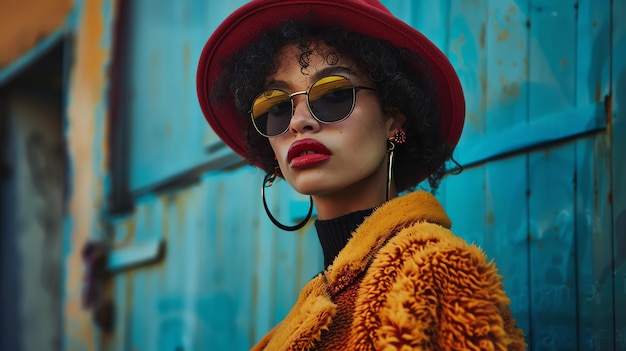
197	265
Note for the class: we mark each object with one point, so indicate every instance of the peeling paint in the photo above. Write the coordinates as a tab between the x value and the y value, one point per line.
87	112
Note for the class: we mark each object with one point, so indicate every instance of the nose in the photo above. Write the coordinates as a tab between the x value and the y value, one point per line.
302	120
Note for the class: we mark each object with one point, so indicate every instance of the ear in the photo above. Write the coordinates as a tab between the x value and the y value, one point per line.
395	122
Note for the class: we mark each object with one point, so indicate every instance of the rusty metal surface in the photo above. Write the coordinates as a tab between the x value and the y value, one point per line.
162	47
86	135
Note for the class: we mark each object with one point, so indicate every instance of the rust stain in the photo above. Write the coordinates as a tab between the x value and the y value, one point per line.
491	219
598	92
509	89
608	108
512	9
86	108
130	227
564	62
483	34
503	35
187	57
472	118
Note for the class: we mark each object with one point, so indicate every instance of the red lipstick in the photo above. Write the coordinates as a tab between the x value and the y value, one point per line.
307	153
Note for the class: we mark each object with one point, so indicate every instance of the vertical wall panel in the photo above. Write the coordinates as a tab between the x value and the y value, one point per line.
507	69
552	57
468	224
163	46
227	276
594	237
506	210
618	195
552	249
506	230
468	25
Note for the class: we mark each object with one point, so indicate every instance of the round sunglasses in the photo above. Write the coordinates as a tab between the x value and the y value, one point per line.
330	100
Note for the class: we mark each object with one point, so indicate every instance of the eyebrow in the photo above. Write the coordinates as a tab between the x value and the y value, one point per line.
324	72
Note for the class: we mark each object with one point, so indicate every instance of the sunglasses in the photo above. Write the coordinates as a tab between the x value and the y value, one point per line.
330	100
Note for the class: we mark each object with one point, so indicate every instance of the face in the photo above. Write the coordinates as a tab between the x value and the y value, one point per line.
340	161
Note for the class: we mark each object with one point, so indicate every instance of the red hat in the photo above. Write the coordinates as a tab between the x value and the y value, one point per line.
367	17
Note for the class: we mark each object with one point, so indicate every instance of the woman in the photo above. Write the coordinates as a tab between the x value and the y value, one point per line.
351	106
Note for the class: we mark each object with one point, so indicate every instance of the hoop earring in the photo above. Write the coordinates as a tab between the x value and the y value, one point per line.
268	181
391	146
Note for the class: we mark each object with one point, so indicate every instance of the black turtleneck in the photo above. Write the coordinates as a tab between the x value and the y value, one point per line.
335	233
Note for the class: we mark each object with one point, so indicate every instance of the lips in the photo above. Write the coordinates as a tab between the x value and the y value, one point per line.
307	153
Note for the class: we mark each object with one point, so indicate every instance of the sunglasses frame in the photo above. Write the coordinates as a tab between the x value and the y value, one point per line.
355	89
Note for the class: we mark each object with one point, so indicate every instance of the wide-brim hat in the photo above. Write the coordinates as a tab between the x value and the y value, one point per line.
367	17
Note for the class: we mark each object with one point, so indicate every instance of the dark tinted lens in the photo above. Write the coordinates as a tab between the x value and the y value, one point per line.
332	98
271	112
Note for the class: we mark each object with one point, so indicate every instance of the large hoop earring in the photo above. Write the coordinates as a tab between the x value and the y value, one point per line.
391	146
269	179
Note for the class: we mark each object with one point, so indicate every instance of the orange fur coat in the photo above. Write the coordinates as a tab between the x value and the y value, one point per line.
404	281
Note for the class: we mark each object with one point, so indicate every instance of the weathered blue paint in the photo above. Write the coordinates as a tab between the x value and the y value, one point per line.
86	133
223	282
534	73
618	176
169	135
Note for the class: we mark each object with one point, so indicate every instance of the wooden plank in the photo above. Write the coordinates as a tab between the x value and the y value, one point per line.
553	57
506	230
618	118
552	252
466	204
506	183
429	17
163	44
466	51
593	243
593	186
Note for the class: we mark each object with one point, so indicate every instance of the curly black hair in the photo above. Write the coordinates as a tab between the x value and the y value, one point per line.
402	82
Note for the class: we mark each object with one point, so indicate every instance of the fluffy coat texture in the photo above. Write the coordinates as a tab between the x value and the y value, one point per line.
404	281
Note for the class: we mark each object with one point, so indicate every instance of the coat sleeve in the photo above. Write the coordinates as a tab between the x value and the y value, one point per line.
442	295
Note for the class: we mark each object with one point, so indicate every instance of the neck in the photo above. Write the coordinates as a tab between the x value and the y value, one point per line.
370	192
329	206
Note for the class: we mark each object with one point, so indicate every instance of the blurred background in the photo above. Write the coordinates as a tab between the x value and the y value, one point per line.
125	224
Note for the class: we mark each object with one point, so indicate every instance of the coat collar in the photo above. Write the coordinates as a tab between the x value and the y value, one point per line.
314	310
418	206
